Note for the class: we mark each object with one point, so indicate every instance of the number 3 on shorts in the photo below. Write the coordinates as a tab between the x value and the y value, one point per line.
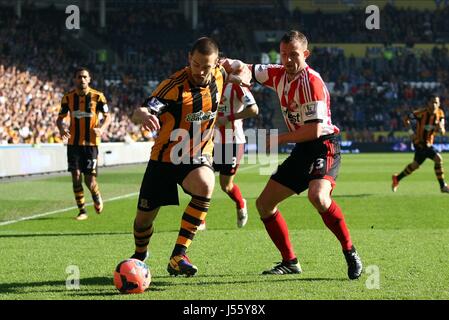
91	164
234	162
317	165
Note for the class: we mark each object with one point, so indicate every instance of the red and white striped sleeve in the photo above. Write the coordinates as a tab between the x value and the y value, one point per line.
266	74
316	99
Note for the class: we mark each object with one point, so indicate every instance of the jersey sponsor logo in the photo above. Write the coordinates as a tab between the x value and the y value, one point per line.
294	117
222	108
82	114
200	116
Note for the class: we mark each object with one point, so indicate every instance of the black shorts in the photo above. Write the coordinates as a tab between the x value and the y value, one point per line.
318	159
424	152
159	184
227	158
83	158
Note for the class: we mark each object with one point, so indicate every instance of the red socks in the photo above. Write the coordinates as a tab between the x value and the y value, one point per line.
236	196
333	218
278	231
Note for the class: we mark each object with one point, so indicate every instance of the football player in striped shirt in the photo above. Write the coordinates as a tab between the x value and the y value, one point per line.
183	111
83	104
314	163
428	121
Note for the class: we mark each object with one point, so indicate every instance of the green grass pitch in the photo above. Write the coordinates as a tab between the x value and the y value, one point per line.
404	236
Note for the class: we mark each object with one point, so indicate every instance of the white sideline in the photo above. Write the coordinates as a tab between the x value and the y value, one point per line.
89	204
63	210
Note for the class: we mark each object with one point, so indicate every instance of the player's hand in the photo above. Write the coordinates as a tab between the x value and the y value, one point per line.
239	72
65	134
98	132
151	123
221	121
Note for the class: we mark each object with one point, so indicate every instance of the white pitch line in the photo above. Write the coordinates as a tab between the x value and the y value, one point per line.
89	204
63	210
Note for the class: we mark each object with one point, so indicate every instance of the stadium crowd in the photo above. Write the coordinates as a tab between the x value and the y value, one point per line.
368	94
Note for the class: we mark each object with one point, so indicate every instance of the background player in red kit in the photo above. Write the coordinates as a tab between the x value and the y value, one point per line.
237	103
315	160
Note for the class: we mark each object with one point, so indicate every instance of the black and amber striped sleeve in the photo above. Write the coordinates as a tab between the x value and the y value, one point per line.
102	104
64	107
167	92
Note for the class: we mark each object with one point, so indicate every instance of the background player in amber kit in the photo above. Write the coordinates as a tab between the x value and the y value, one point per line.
237	103
84	135
183	110
429	121
314	162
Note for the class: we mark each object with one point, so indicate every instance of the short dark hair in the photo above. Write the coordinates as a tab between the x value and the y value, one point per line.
292	35
205	45
431	95
79	69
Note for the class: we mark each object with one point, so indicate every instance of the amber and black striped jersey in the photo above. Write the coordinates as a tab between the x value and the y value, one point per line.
83	111
188	107
427	124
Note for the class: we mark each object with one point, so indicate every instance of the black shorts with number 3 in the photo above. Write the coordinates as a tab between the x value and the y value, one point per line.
83	158
227	158
318	159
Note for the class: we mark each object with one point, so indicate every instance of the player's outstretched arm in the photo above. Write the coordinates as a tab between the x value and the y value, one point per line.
249	112
307	132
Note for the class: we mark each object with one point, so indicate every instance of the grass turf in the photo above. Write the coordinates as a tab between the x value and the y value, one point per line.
404	234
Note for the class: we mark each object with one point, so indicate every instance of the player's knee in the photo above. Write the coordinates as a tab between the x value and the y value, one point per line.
226	187
264	208
76	179
204	188
438	159
319	200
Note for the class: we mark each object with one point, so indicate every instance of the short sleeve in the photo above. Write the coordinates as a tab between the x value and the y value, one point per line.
266	74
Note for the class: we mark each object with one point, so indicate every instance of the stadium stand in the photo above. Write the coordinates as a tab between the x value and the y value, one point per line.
147	41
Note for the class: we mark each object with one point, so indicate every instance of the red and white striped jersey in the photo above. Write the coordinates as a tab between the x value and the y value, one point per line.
233	100
304	99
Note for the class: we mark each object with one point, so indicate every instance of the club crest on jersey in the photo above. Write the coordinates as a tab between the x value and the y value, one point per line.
200	116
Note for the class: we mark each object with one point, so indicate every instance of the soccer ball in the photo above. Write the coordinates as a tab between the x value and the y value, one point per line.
132	276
